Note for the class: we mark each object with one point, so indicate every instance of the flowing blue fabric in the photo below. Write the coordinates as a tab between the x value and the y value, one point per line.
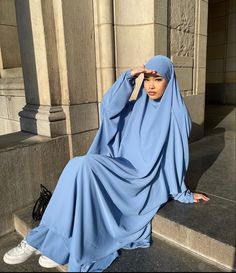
105	200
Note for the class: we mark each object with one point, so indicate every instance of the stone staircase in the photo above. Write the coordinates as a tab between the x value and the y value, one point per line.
174	227
189	237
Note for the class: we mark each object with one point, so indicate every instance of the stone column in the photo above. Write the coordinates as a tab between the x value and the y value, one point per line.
196	100
200	45
134	34
162	39
77	68
105	45
58	59
42	113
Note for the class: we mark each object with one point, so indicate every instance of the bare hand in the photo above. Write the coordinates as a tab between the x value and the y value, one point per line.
135	72
199	196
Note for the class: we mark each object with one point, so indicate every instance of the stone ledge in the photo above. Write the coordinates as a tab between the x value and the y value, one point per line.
11	83
12	92
11	72
20	139
21	158
196	231
208	229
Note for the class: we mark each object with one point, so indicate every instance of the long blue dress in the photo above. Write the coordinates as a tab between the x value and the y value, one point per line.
106	199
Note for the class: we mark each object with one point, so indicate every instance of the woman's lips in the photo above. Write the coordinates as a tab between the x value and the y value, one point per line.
152	93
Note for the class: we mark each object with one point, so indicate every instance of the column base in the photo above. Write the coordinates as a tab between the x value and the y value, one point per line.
43	120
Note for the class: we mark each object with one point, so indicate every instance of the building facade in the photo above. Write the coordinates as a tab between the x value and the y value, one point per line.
58	58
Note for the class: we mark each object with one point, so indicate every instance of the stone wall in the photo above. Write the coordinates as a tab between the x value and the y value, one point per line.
186	44
138	30
12	100
12	95
181	28
9	46
26	162
221	52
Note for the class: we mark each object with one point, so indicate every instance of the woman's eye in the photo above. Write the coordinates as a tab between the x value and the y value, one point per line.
156	79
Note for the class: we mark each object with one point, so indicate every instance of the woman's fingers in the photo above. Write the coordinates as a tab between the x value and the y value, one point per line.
137	71
149	71
142	69
205	198
199	196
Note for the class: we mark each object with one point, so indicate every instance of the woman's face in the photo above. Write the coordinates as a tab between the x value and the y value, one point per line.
154	85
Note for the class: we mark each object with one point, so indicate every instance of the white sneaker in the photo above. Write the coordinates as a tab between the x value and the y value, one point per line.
46	262
20	253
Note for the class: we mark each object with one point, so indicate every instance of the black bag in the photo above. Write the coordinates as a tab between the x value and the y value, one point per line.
41	203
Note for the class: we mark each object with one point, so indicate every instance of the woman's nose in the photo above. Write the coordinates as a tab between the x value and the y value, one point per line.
151	84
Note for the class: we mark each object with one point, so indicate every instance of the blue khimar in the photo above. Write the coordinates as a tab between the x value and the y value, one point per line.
105	200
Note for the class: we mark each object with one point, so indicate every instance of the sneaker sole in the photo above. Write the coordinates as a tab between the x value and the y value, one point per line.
48	264
9	260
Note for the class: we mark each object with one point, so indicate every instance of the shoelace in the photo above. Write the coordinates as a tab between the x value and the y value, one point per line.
22	245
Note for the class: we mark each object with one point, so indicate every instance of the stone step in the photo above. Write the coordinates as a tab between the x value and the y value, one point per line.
23	224
11	86
208	229
12	73
205	229
162	256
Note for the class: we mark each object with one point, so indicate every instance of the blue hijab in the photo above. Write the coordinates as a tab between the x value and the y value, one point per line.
151	136
105	200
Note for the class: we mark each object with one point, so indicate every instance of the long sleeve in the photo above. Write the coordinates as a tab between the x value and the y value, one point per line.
113	102
116	98
184	197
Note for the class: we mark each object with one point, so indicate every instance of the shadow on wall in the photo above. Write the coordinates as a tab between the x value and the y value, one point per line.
205	151
19	139
197	132
202	155
216	114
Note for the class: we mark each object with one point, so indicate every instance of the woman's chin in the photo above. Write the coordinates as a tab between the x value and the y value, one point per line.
155	97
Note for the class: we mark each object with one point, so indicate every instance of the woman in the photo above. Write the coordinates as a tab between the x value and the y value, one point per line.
105	201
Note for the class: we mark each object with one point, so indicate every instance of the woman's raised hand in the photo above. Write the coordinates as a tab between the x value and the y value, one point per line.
135	72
